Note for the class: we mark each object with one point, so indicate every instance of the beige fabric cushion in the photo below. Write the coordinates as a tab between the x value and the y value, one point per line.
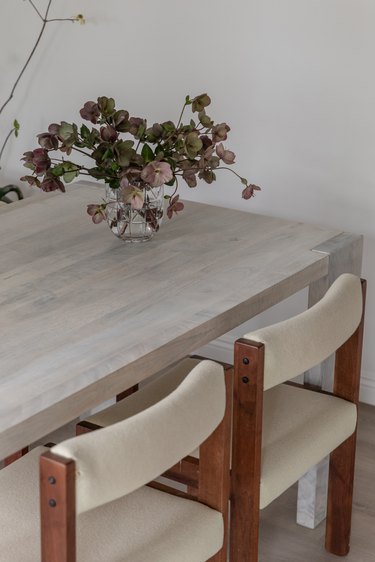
299	343
118	459
300	428
146	396
146	526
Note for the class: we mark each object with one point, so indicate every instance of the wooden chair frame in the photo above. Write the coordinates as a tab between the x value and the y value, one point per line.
57	490
247	447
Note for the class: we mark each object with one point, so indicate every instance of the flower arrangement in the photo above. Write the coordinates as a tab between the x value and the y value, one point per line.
146	157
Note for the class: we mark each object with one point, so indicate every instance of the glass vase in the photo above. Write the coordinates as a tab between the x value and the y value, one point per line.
135	225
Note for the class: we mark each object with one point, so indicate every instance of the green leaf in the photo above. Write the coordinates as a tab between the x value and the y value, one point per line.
58	170
170	183
114	183
71	171
147	153
85	132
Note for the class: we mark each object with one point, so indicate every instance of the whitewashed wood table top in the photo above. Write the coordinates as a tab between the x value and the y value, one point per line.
84	315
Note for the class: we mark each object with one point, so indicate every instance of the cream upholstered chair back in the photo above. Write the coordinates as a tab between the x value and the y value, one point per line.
299	343
119	459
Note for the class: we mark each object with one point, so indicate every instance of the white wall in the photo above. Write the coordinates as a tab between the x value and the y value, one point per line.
293	78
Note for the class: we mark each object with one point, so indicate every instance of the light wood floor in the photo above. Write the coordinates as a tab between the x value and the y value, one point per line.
282	540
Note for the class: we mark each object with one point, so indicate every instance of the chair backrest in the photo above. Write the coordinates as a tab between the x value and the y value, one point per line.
118	459
299	343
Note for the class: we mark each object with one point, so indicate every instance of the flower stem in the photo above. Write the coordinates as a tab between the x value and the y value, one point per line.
82	152
61	19
230	170
181	114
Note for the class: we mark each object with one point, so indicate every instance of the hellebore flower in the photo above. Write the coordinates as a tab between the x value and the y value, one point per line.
220	132
248	192
37	160
121	120
190	178
227	156
90	111
52	184
48	141
31	180
193	144
174	206
134	125
131	194
108	133
200	102
96	213
156	173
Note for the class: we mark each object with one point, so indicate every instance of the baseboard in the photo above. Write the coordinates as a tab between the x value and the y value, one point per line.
367	391
222	350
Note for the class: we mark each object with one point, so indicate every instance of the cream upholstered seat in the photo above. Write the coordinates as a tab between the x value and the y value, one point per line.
300	428
144	526
118	518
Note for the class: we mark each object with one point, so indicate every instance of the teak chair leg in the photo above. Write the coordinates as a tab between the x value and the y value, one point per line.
340	497
214	468
247	447
342	461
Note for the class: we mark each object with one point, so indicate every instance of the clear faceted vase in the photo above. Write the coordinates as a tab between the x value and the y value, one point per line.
135	225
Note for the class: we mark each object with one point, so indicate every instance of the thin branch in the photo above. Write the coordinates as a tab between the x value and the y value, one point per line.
61	19
83	152
36	9
28	58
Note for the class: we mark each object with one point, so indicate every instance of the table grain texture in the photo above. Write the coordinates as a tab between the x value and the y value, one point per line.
84	315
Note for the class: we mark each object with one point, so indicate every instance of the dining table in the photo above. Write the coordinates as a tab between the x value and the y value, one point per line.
84	315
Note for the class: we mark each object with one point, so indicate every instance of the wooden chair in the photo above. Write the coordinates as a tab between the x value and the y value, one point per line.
93	502
281	430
